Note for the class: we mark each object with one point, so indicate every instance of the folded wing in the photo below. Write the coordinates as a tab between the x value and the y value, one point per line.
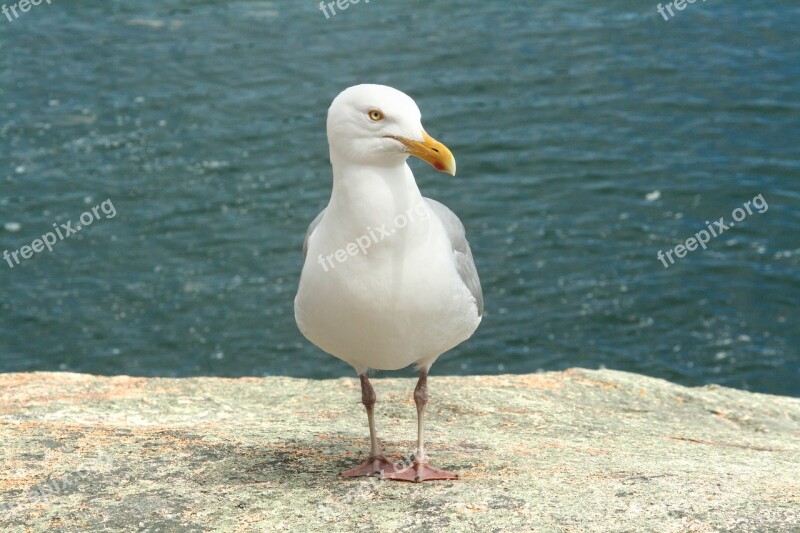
465	265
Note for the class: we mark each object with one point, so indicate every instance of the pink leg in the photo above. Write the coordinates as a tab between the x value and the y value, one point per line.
376	464
420	470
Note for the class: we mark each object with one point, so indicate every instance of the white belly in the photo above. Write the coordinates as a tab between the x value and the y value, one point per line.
401	303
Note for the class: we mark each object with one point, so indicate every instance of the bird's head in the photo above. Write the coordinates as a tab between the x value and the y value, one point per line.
380	126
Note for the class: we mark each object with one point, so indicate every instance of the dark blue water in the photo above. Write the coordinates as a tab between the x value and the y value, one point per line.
588	138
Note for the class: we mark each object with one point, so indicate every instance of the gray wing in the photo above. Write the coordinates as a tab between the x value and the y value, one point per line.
463	255
310	230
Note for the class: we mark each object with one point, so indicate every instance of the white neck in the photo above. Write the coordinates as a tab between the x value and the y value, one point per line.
367	195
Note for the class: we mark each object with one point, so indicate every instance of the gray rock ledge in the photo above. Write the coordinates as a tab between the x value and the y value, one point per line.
568	451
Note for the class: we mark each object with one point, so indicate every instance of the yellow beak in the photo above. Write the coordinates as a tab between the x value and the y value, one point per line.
432	151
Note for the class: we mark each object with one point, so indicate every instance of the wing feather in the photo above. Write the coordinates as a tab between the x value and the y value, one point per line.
310	230
465	264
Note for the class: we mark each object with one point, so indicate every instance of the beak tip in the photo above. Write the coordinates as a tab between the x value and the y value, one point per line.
450	166
431	151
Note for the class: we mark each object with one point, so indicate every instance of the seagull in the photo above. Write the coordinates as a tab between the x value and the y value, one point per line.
388	278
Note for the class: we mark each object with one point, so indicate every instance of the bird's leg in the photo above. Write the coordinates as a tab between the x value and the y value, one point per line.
376	464
420	470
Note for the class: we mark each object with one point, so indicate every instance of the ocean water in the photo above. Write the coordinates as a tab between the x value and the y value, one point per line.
588	135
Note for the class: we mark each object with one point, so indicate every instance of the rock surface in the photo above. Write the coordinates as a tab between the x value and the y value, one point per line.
571	451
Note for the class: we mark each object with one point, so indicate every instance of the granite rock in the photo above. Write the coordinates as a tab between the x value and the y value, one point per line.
570	451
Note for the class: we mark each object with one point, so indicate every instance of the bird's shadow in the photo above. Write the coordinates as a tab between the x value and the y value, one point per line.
319	459
278	461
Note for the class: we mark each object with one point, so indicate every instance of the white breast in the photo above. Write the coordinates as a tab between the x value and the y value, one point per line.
401	302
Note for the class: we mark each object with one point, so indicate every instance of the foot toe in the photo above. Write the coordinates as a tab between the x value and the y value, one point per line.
373	466
420	472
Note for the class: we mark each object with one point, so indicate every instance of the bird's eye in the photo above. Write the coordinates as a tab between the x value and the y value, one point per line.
375	115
